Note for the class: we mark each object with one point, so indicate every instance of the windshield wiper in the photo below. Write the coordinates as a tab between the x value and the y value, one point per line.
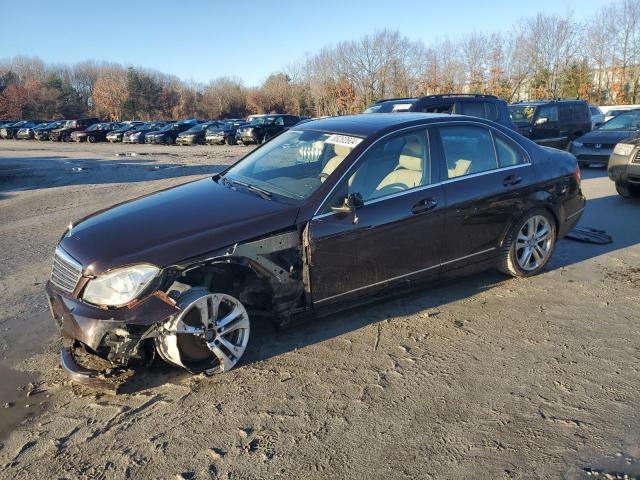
252	188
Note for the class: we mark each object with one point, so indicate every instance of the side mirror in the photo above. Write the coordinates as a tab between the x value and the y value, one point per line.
351	203
541	121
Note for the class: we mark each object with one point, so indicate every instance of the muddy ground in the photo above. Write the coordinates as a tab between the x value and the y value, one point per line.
485	377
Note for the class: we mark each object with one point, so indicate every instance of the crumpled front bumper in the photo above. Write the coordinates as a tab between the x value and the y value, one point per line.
114	334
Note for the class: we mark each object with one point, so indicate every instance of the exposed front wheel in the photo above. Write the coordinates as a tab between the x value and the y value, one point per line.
91	139
529	244
627	191
209	335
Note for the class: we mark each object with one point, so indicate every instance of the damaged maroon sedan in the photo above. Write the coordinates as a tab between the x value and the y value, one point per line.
329	214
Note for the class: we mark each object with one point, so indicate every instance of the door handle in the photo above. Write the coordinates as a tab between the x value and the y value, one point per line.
424	205
511	180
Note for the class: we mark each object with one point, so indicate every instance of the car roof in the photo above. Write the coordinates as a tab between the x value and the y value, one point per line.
544	102
363	125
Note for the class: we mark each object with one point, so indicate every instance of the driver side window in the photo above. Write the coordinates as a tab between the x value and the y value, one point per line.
394	165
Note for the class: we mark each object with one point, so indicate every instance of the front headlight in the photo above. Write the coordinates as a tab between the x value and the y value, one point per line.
623	149
577	143
119	287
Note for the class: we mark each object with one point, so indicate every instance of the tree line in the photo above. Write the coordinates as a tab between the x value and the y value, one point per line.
544	56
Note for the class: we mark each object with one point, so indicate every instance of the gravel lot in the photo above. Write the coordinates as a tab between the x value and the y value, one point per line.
486	377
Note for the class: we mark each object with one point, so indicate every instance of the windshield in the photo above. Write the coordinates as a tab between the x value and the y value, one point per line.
624	121
262	120
123	128
198	128
291	164
522	114
389	107
94	127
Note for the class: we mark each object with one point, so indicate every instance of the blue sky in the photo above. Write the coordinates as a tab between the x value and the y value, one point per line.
201	40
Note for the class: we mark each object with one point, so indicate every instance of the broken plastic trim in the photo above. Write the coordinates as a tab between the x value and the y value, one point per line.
84	376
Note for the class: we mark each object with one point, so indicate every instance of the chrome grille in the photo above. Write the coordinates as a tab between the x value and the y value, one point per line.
636	158
66	272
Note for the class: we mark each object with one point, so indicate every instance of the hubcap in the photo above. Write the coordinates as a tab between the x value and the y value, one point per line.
534	242
210	334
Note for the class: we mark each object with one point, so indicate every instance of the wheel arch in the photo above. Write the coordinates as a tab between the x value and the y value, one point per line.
540	199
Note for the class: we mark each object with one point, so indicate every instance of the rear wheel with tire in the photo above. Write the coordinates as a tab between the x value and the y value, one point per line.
529	244
91	139
628	191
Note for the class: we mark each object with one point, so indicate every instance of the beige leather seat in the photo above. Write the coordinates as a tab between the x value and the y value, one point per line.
459	168
340	152
409	172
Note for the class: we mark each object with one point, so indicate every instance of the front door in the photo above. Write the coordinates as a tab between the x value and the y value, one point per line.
395	236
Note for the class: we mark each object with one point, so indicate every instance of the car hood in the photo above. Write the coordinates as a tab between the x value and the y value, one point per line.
174	225
606	136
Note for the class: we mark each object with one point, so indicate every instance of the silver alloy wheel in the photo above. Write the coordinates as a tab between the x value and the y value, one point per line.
534	242
210	334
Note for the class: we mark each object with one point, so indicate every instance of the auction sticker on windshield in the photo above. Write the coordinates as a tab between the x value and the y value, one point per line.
343	140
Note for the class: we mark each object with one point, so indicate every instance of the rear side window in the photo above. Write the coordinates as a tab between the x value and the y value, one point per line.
508	154
565	113
492	111
581	112
473	109
467	150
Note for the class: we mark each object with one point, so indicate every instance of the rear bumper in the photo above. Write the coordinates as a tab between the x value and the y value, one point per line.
570	214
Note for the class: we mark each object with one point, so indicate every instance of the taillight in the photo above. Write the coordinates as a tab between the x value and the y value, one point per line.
577	175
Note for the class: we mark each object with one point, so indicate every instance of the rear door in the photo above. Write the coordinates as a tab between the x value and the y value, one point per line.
487	181
394	237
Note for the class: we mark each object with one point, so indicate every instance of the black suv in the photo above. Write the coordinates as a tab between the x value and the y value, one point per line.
63	134
489	107
264	127
554	123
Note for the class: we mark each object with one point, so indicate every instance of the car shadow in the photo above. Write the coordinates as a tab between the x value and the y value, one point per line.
268	341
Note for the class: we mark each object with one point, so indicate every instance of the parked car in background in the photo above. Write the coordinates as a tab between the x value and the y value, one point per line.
554	123
10	131
42	133
224	134
261	129
28	133
597	117
117	134
277	232
137	134
598	145
614	112
624	166
168	134
95	133
196	134
489	107
63	134
390	105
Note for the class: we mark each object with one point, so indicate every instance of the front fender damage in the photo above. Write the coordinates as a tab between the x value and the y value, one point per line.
130	336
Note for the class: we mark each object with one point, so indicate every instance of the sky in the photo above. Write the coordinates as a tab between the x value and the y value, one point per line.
248	39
